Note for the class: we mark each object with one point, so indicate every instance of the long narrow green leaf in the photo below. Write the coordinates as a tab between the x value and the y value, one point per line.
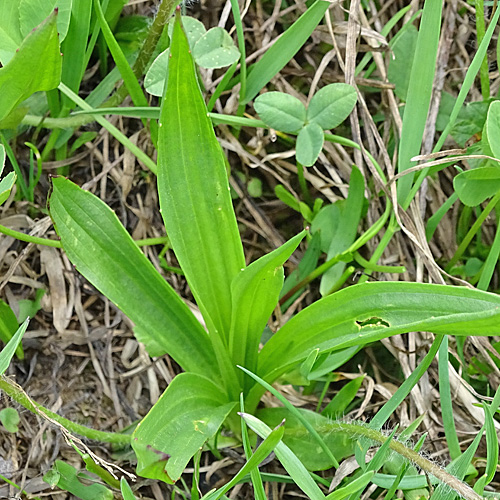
9	350
419	92
194	192
365	313
277	56
102	250
75	46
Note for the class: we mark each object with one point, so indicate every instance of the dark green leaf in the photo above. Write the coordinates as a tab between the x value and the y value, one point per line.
9	326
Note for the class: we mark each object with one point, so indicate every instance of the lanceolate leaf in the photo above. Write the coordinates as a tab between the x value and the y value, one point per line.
35	66
194	191
102	250
364	313
255	292
188	413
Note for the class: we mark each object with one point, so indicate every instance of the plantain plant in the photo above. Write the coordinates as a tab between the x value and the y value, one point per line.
235	299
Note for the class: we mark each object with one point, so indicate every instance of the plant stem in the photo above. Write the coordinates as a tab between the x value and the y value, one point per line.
18	395
356	430
162	240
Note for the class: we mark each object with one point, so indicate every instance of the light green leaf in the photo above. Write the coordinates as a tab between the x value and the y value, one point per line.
7	183
475	186
280	53
193	28
309	144
9	417
215	49
302	443
353	487
126	490
10	34
9	326
491	444
331	105
187	414
154	81
364	313
102	250
493	128
33	12
68	479
288	459
194	193
326	223
403	50
281	111
10	349
40	53
255	292
347	228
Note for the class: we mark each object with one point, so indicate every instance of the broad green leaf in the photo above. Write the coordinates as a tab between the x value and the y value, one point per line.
331	105
400	63
255	293
280	53
33	12
187	414
194	193
281	111
364	313
40	53
67	478
9	326
288	459
215	49
102	250
347	228
309	144
10	349
475	186
154	81
9	417
302	443
493	128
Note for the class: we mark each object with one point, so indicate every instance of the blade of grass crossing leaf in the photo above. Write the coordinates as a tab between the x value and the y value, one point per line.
255	476
194	192
459	468
358	484
264	449
295	413
419	92
446	403
279	54
9	350
119	136
469	79
288	459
